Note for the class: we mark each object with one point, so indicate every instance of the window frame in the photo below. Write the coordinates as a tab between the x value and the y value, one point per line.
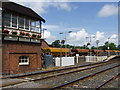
35	26
19	23
31	26
28	24
10	23
22	60
5	20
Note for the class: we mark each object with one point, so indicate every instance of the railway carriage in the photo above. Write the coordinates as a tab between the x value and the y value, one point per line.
94	52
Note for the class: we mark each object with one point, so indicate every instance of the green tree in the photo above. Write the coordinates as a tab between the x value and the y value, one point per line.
56	43
112	46
84	47
62	42
106	43
118	47
105	46
93	47
69	46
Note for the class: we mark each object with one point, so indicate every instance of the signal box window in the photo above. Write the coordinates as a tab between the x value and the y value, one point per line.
7	19
14	21
23	60
21	22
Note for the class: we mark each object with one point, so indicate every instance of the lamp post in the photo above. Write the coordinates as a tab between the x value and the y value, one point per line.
90	37
97	42
61	48
60	52
43	32
66	41
90	45
108	46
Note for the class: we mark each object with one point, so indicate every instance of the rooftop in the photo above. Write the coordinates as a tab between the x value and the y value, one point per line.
14	7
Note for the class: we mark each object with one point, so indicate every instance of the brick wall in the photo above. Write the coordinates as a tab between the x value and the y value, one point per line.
11	53
44	44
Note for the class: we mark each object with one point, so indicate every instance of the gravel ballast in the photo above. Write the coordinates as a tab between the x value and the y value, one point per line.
66	78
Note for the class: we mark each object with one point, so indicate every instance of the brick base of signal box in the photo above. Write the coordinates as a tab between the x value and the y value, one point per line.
11	51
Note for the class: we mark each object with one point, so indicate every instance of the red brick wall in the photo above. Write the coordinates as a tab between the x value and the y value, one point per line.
44	44
11	53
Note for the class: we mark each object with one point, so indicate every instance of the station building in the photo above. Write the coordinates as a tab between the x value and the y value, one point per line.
21	39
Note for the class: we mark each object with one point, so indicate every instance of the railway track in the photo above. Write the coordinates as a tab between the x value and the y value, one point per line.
56	70
109	80
61	73
113	82
71	83
52	71
44	73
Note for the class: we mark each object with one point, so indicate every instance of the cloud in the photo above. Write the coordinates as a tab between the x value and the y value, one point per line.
79	35
114	36
79	38
62	6
108	10
41	7
114	39
100	35
50	26
49	37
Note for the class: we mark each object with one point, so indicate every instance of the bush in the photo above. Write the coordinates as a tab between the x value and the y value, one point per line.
33	35
14	32
22	33
6	31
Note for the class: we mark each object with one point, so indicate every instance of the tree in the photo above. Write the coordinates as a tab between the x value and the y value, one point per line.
93	47
106	43
56	43
63	42
84	47
88	44
105	47
69	46
112	46
118	47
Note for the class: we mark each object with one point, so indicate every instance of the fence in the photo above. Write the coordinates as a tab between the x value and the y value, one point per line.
66	61
95	58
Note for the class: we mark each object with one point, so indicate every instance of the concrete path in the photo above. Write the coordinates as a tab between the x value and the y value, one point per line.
6	82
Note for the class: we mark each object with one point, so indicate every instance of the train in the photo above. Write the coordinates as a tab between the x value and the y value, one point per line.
95	52
57	52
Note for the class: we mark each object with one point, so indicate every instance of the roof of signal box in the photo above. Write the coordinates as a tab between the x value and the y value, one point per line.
21	9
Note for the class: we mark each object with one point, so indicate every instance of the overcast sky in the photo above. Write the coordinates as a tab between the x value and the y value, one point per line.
84	19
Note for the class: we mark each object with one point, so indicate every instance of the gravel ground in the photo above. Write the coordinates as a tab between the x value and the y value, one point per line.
57	72
27	78
38	76
73	76
97	80
42	75
54	73
28	85
66	78
113	84
52	68
6	82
